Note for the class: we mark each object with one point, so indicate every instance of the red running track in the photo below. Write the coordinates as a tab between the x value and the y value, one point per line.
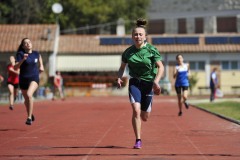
99	128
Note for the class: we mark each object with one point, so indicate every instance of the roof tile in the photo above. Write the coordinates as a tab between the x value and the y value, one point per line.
43	37
11	36
90	44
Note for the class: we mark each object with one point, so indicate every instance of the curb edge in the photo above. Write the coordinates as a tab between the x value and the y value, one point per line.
216	114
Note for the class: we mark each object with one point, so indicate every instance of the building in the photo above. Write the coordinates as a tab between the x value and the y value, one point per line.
215	26
194	16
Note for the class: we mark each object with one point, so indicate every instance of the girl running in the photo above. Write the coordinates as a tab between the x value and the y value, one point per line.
12	82
30	64
181	73
146	70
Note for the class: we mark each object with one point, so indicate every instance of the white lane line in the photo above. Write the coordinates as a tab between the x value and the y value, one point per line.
100	140
191	142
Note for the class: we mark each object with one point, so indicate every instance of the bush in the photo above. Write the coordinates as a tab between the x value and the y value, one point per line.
192	81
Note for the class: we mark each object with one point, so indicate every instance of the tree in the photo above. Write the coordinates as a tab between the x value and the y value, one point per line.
193	79
76	13
24	11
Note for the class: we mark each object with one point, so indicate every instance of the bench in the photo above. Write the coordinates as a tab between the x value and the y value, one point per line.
79	84
88	84
235	89
200	88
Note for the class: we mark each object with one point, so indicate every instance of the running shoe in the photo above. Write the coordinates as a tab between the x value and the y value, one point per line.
186	104
11	107
138	145
33	118
29	121
180	113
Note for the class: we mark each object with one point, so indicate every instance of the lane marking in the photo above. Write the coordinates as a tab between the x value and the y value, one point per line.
190	141
100	140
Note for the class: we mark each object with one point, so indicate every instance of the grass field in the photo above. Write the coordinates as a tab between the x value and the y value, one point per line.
229	109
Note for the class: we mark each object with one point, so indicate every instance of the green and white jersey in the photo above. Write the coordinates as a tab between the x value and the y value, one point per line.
141	62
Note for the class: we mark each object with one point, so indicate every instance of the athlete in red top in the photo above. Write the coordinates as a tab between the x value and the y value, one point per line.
12	81
58	85
1	79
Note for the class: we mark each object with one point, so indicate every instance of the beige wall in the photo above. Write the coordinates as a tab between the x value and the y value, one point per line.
229	79
201	76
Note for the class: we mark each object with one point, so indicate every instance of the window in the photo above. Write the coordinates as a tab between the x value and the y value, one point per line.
197	66
225	65
230	65
182	26
156	27
226	24
199	25
201	65
192	65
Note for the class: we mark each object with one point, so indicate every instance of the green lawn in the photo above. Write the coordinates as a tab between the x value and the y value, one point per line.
229	109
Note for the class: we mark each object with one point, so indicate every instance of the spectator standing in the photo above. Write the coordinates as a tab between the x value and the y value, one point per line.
58	83
213	84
